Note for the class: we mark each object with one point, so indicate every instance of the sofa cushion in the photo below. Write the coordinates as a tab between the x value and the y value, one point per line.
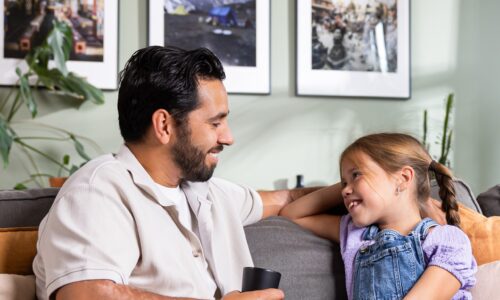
486	287
311	266
17	287
17	250
20	214
25	208
483	233
490	201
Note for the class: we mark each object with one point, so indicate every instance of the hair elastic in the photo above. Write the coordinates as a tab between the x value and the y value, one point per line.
432	165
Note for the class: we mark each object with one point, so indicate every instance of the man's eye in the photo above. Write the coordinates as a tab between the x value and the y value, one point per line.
216	124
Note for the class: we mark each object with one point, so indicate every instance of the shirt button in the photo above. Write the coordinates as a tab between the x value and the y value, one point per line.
196	253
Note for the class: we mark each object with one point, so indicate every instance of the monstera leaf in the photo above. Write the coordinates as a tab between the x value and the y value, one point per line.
60	40
6	138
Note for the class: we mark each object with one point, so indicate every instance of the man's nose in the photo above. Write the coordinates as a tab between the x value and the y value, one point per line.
226	136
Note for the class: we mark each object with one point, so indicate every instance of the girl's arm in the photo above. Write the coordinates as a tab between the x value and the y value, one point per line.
435	283
325	226
306	210
451	265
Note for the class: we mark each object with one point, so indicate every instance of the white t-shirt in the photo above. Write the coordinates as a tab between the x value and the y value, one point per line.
177	196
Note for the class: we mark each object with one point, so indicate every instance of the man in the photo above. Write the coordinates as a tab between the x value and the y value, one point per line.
150	222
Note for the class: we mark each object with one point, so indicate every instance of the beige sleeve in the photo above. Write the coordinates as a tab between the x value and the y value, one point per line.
244	200
87	235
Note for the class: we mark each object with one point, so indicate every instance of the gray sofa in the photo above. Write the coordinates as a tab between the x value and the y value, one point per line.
311	267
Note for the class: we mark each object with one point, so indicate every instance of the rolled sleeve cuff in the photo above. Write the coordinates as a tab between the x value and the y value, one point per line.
258	208
84	274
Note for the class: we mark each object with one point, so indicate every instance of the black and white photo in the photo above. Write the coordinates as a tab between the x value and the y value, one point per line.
237	31
356	48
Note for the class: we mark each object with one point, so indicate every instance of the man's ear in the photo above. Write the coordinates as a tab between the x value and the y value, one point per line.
406	175
162	125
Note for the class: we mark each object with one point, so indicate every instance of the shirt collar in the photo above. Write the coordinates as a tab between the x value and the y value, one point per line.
197	195
140	176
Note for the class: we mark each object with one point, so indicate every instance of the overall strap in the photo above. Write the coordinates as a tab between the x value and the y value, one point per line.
370	232
423	227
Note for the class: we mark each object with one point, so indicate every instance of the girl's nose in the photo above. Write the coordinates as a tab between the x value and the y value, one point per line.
346	190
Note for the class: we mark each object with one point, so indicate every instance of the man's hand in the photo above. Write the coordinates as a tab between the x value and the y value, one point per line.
268	294
274	201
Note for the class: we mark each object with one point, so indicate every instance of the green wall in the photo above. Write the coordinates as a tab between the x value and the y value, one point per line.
454	49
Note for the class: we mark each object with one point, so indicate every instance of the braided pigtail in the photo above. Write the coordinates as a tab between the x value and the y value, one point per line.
447	193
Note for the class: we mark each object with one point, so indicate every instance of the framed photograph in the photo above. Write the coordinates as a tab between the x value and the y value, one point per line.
237	31
26	23
356	48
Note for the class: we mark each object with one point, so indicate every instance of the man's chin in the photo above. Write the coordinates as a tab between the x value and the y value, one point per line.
202	176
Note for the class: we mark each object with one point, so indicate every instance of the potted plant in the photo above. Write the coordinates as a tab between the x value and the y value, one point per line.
445	138
57	80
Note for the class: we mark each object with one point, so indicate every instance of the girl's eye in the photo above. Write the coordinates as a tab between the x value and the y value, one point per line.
356	174
343	184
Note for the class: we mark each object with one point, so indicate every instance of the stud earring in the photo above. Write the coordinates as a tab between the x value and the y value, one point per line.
397	190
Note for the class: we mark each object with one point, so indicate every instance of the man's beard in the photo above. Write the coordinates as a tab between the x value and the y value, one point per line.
189	158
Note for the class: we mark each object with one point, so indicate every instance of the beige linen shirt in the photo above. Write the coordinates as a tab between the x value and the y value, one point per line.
110	221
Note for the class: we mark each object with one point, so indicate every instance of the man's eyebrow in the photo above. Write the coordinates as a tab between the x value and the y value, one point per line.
219	116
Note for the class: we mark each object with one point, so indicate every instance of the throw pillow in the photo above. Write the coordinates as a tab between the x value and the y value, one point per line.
484	234
17	250
486	287
17	287
490	201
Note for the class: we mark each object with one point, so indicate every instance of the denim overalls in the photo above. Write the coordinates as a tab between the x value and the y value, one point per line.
390	267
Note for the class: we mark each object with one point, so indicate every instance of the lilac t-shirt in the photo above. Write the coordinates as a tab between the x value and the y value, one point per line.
445	246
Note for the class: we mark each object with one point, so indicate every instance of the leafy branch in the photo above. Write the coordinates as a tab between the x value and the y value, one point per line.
446	135
58	80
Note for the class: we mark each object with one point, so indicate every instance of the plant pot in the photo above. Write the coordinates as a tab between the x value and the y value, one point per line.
57	181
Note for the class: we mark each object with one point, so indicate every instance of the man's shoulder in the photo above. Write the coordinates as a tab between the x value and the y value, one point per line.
216	184
96	172
216	188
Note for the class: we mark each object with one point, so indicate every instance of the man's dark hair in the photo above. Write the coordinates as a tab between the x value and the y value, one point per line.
162	78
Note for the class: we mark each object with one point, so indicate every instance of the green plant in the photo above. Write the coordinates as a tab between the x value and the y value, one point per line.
57	80
446	136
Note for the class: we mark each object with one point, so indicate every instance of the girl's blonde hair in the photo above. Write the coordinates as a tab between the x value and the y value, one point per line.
393	151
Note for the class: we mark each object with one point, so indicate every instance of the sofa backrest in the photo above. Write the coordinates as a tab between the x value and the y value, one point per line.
311	267
25	208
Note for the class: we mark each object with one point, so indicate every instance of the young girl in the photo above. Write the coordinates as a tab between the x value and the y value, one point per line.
389	251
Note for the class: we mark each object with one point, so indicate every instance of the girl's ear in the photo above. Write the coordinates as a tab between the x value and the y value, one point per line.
162	125
406	177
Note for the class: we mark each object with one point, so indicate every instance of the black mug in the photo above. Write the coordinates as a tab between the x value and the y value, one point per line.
259	279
